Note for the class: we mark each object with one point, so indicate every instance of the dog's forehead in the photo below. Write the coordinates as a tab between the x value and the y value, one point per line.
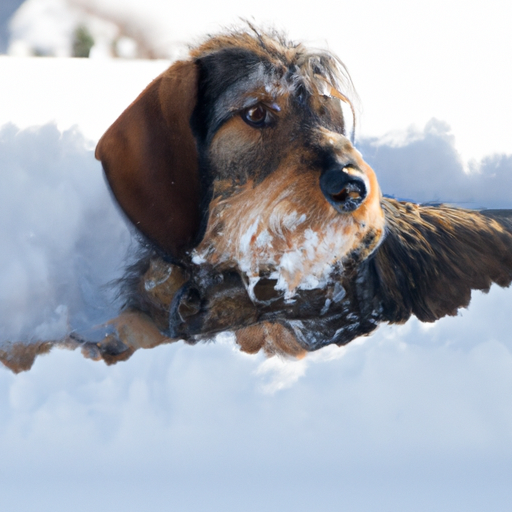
236	64
259	81
238	70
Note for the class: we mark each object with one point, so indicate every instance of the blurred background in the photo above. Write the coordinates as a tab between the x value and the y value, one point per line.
410	61
78	28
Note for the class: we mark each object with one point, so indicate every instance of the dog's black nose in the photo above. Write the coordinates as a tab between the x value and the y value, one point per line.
344	191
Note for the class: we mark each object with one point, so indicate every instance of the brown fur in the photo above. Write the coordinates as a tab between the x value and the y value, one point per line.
150	160
19	357
434	256
287	193
282	53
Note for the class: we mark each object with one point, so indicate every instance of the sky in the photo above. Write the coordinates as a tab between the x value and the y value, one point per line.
414	417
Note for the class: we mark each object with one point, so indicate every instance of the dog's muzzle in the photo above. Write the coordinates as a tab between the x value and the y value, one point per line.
344	191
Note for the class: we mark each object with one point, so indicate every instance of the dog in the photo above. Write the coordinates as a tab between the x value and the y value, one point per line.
237	168
258	215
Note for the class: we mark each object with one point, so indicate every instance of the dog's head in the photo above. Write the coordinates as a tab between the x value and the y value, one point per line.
238	158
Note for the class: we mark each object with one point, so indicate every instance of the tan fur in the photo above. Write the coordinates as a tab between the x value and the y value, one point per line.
427	264
257	228
19	357
273	339
282	53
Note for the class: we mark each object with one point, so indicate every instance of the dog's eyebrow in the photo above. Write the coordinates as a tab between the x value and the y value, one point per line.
259	84
257	87
233	79
225	78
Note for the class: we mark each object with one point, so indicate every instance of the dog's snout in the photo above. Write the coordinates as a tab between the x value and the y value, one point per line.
344	191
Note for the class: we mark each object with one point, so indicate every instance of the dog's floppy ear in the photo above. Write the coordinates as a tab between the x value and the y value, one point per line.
151	162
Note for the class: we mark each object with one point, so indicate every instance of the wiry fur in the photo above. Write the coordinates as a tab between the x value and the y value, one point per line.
316	66
287	232
434	256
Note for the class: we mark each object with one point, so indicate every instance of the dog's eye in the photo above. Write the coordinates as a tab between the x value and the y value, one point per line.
256	116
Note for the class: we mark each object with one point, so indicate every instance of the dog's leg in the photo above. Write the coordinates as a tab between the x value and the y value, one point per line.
19	356
128	332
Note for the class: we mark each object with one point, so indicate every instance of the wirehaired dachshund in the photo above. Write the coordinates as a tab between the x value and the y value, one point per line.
237	169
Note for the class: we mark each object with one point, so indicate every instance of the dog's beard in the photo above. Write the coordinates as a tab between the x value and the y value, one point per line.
284	230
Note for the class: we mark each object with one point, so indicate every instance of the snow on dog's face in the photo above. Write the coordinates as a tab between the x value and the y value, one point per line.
291	197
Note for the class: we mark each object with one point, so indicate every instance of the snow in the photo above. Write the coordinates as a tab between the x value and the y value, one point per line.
87	94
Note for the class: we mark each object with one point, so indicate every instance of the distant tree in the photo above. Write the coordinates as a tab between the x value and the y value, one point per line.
82	41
